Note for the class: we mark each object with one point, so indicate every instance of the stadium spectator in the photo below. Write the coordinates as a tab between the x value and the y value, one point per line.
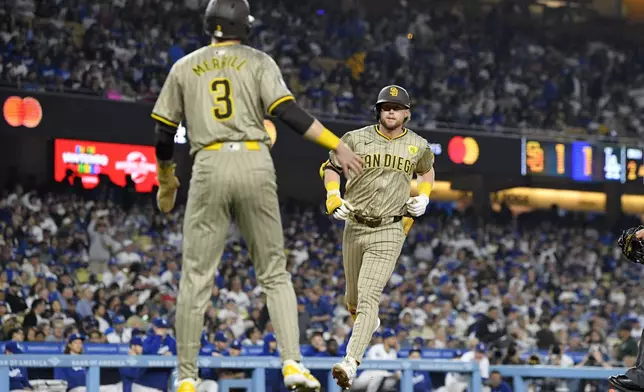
18	376
304	319
129	375
207	375
35	315
232	374
274	381
376	380
157	342
455	382
496	383
422	381
626	350
75	377
487	328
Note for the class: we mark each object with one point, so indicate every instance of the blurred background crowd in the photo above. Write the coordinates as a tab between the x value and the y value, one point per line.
104	265
491	68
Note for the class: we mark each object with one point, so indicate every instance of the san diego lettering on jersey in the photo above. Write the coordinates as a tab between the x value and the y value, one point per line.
389	161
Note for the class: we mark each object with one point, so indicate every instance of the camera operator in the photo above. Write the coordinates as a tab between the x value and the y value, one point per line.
596	357
512	356
557	358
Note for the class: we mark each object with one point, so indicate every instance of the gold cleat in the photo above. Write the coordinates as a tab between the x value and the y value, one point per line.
186	386
298	378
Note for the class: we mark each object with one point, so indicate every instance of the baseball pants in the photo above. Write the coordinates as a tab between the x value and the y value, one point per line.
237	181
369	258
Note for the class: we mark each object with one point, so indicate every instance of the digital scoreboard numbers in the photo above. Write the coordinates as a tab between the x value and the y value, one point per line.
634	165
546	158
582	161
579	161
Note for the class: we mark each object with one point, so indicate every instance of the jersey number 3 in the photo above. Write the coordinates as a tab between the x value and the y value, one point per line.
222	97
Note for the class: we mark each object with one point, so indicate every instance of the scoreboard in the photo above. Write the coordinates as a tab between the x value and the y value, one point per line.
634	165
581	161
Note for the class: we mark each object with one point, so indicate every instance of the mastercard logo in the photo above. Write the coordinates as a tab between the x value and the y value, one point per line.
25	112
463	150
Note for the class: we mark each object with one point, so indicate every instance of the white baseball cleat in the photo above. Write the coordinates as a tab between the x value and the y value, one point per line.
344	372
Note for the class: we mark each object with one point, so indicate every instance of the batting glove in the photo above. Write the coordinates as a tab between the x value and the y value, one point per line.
417	205
337	206
168	185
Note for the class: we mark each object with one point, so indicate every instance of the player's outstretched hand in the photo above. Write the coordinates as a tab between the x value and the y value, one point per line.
417	205
350	162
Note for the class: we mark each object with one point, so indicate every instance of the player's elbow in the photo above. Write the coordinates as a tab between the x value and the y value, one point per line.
294	116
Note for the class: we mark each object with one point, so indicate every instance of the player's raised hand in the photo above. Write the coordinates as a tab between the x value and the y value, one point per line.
350	162
417	205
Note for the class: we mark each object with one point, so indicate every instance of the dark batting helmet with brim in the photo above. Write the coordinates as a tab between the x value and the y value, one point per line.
392	94
228	19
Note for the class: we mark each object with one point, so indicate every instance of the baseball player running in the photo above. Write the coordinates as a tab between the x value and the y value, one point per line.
373	207
223	91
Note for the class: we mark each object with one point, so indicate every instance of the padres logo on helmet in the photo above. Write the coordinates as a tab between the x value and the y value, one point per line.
392	94
228	19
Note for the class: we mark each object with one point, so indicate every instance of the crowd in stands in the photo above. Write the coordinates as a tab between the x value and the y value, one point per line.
458	69
73	263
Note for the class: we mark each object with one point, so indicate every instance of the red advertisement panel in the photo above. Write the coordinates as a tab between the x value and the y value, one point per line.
88	160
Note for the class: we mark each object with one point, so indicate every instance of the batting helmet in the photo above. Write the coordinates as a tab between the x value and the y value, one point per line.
228	19
392	94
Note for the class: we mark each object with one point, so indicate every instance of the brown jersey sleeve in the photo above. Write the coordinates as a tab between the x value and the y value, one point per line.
426	161
169	106
273	89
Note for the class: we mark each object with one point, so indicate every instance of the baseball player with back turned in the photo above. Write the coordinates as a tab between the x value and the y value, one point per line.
223	91
374	205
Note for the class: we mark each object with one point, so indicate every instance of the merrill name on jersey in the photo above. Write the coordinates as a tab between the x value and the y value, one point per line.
217	63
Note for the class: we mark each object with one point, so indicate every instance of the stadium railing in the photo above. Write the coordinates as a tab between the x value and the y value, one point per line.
519	374
258	364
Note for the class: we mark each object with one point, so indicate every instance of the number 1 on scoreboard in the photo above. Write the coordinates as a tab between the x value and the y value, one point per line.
560	151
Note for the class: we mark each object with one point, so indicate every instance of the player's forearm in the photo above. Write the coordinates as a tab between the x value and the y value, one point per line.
164	143
318	134
303	123
331	180
426	183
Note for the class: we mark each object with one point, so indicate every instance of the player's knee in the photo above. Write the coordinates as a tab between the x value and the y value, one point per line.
274	278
